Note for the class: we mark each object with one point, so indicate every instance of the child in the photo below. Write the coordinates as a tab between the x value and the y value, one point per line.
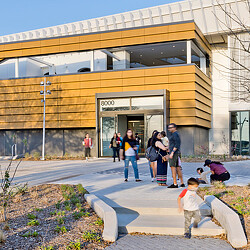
203	176
164	139
190	205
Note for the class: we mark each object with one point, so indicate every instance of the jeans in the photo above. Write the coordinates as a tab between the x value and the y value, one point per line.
116	152
131	159
151	170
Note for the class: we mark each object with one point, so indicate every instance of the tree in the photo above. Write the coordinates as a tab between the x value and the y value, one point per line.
237	28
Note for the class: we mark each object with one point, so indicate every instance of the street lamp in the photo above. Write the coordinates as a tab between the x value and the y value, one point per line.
44	93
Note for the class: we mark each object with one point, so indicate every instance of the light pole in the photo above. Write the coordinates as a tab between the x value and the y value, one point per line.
44	93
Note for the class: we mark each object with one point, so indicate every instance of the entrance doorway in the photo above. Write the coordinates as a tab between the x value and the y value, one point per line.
143	124
136	123
141	111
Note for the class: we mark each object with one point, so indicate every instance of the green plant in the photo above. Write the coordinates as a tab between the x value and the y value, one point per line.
27	155
74	245
61	229
58	205
47	248
78	215
61	213
68	208
61	220
91	236
31	216
66	203
74	200
38	209
66	196
81	189
22	189
7	187
203	188
79	206
36	155
33	223
99	222
67	188
53	213
64	188
30	234
219	185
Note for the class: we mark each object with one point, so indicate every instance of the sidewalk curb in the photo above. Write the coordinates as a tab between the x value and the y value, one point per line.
229	220
107	213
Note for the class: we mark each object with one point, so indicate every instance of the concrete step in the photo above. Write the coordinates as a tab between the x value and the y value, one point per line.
153	207
167	225
204	210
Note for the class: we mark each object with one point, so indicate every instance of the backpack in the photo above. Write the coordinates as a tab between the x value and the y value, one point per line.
151	154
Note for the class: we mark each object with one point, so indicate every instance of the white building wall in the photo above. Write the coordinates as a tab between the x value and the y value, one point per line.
219	134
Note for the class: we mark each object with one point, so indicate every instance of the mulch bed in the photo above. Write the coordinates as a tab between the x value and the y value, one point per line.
237	198
58	217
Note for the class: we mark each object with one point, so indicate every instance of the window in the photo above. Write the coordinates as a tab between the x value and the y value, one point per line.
83	70
240	133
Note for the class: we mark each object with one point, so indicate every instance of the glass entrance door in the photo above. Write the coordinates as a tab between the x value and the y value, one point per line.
136	123
153	122
108	128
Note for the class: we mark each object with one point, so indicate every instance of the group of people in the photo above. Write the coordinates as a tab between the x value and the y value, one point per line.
116	144
168	153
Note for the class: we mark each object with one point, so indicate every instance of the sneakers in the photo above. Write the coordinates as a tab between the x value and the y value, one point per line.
126	180
137	180
153	179
182	185
187	235
173	186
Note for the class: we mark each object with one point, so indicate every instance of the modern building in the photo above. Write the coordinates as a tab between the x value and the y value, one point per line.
140	69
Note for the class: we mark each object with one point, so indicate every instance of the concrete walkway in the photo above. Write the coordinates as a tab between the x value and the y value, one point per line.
141	207
159	242
147	208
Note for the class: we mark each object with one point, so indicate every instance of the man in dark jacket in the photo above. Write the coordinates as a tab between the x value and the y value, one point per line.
174	154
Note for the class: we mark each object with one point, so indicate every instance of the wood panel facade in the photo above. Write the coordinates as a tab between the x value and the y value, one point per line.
110	39
72	102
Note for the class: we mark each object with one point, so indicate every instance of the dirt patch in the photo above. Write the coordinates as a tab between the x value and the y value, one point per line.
52	217
237	198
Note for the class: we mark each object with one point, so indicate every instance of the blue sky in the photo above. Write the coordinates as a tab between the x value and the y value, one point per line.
23	15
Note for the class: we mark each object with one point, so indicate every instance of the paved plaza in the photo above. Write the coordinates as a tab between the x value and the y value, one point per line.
159	242
104	178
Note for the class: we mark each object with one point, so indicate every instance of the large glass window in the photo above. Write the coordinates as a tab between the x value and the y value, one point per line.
240	133
147	103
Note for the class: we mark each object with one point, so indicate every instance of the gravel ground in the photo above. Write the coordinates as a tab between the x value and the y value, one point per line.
53	207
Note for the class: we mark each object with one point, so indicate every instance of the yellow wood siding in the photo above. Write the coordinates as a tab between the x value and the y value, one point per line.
163	33
72	103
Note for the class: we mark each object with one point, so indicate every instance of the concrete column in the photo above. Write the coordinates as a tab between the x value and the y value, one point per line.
100	61
17	68
124	62
92	59
189	51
